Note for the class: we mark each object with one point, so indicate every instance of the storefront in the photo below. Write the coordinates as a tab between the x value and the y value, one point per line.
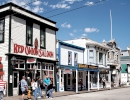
25	48
87	74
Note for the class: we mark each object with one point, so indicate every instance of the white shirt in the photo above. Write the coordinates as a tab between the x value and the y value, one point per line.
34	85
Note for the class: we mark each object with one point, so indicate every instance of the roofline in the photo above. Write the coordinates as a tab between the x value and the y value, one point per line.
12	4
71	45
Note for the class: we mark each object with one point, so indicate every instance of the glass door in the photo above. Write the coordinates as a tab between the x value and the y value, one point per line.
15	83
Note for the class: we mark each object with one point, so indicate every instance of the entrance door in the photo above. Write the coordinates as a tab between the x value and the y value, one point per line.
15	83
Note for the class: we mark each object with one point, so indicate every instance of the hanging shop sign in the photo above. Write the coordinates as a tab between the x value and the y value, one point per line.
32	51
93	67
67	71
82	66
31	60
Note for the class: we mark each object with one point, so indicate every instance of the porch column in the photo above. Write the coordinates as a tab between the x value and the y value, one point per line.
98	80
59	79
88	81
110	78
76	81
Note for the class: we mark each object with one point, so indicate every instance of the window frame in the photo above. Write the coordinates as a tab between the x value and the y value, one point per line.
2	41
69	52
91	56
18	63
75	64
42	31
31	29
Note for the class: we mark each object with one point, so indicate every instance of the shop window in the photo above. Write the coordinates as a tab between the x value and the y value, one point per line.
20	64
29	34
1	30
68	81
42	38
39	66
75	59
91	56
100	58
69	58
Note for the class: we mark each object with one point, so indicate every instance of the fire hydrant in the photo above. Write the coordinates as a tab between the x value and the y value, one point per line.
29	93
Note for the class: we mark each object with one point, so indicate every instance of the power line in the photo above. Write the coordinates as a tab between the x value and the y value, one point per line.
59	8
76	9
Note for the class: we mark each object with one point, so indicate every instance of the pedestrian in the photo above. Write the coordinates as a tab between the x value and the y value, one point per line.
46	82
2	88
39	82
50	90
104	82
24	86
74	83
81	84
34	89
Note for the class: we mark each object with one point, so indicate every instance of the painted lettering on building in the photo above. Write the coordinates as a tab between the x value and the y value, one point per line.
93	67
82	66
32	51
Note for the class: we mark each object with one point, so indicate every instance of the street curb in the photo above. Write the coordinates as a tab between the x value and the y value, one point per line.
91	91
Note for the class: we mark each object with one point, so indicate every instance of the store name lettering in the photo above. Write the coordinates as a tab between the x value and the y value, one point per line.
32	51
82	66
93	67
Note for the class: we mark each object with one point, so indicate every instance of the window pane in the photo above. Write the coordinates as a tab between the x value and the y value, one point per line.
69	58
43	66
29	34
1	30
75	58
21	66
42	38
39	67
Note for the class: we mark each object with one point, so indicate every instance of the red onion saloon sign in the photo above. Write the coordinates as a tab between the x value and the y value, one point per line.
32	51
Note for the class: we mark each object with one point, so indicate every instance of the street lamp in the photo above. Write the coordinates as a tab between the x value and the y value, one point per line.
13	61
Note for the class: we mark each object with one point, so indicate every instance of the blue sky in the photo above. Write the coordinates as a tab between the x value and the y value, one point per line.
91	21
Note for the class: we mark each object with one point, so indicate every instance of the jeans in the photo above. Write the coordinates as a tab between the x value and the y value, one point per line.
46	90
35	94
39	92
1	95
50	92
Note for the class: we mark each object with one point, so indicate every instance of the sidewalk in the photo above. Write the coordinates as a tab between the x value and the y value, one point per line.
66	93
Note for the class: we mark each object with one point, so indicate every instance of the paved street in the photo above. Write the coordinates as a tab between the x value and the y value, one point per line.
116	94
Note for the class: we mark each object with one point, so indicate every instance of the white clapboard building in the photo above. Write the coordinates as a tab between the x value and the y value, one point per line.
27	46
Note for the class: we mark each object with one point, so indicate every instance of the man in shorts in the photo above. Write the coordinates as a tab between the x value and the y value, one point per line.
24	87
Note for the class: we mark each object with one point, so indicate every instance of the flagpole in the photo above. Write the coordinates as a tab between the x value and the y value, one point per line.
111	23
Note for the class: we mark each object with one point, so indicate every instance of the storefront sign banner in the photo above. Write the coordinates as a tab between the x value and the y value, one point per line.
32	51
31	60
67	71
82	66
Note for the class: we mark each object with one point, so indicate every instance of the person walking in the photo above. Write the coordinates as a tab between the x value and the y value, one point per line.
46	82
2	89
24	86
34	89
104	82
39	82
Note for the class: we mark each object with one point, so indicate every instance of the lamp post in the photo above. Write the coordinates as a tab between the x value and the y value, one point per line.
13	61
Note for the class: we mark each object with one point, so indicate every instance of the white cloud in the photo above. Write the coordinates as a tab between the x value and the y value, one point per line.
89	30
19	2
45	3
83	35
37	3
60	5
71	34
37	9
89	3
75	30
70	1
65	25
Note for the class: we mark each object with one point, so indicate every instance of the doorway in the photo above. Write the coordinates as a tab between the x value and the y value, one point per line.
15	83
